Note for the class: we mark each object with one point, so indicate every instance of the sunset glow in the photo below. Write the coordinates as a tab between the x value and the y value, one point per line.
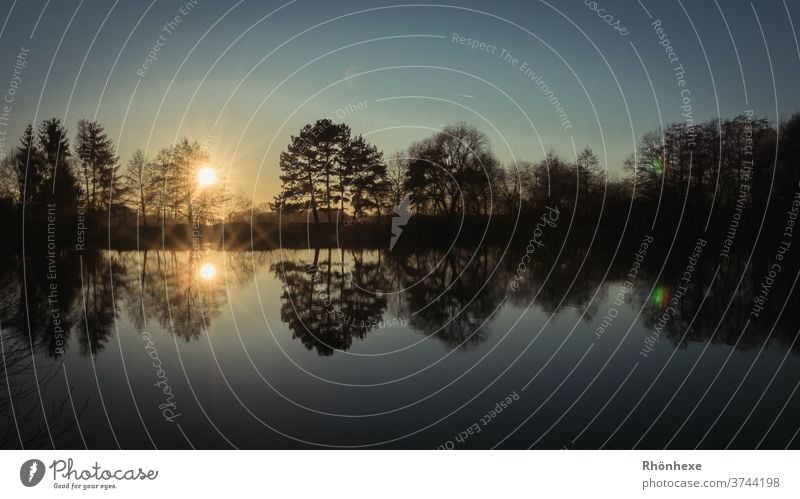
207	271
400	226
206	176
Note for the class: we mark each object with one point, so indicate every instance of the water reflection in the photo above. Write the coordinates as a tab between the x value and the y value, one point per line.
207	271
321	303
181	290
337	313
333	297
25	387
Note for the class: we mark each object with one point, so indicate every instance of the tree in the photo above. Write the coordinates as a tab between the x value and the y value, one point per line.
179	194
647	167
238	207
98	163
508	191
396	172
332	144
590	182
62	185
187	158
451	171
589	172
139	183
788	175
163	193
29	169
9	185
364	177
55	146
313	170
522	190
555	181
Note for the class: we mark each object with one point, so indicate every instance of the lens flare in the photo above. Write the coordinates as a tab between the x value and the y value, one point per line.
658	166
660	296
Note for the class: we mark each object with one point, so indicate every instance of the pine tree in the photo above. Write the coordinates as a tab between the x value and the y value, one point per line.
30	169
332	143
367	185
98	163
55	146
313	169
62	189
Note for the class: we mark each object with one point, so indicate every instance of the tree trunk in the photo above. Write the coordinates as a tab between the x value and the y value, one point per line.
94	188
314	210
328	196
86	176
141	202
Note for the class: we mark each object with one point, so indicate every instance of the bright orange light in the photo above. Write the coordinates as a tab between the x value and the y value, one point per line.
206	176
207	271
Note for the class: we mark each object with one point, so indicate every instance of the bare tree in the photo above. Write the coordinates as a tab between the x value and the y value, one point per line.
451	171
139	183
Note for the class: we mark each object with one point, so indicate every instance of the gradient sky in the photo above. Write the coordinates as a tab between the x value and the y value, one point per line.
224	75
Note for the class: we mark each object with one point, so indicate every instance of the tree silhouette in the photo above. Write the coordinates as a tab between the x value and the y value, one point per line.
172	178
322	307
312	168
62	192
451	171
367	184
187	157
590	174
323	167
138	183
30	169
723	164
396	172
98	163
55	145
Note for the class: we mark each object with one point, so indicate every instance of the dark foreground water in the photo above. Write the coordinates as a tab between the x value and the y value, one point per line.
460	348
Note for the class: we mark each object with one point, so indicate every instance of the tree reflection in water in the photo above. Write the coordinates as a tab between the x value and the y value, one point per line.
332	297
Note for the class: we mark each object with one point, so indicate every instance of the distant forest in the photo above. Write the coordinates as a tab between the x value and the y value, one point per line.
330	176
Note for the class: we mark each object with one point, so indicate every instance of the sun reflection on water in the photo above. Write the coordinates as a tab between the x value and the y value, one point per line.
207	271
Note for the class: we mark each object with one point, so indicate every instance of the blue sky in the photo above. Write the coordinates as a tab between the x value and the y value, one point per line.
224	74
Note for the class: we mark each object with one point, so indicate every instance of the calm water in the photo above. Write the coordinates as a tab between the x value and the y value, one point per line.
290	348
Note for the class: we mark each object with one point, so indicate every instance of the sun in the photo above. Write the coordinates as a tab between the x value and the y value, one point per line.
207	271
206	176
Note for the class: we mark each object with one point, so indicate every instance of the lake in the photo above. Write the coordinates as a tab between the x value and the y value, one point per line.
456	348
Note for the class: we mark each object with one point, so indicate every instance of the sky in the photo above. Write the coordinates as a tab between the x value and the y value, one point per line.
242	76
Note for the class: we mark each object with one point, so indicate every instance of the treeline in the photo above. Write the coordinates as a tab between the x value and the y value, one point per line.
39	177
742	163
329	176
325	170
49	181
327	302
